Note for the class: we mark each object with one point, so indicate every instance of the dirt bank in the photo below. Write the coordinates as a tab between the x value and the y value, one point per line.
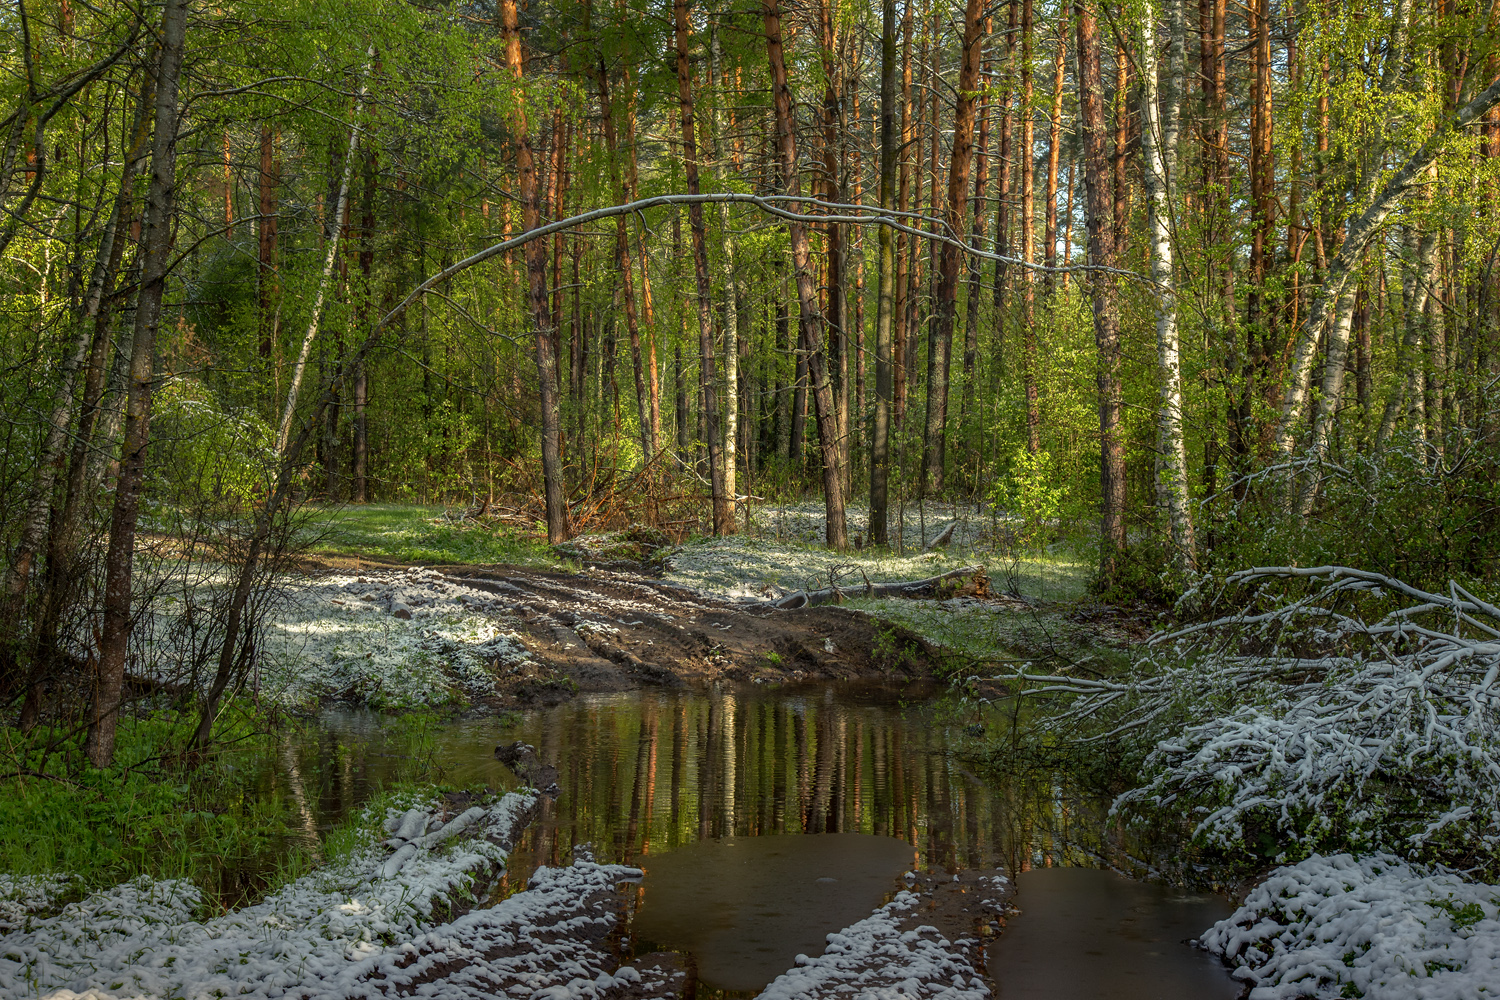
606	630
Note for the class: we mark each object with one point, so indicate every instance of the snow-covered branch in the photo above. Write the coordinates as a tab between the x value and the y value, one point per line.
1336	709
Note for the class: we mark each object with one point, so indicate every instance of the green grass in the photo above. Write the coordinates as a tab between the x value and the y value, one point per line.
418	534
1042	576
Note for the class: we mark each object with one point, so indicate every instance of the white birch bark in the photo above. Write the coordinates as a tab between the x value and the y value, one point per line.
283	434
1159	147
731	311
1330	307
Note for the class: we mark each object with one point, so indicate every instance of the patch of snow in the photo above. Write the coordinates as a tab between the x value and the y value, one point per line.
336	636
540	944
23	897
1372	926
144	938
784	551
875	959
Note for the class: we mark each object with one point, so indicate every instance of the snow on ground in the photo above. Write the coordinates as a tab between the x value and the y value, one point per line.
144	938
541	944
1371	926
387	638
784	551
875	959
23	896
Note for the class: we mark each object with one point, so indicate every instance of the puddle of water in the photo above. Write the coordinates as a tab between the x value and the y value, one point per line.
702	788
1085	932
746	907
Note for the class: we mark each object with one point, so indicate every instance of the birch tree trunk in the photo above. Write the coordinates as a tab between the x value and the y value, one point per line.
1362	229
34	524
335	232
1159	149
731	305
880	437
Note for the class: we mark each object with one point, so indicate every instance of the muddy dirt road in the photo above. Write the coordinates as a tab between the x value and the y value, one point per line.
607	630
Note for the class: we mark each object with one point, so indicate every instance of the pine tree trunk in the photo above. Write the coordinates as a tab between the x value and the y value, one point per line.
624	266
1028	238
266	284
948	265
723	513
536	287
1101	231
880	437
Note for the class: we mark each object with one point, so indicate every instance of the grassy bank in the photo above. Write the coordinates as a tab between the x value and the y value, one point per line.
419	534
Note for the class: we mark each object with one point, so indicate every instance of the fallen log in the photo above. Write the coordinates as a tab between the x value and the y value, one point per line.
942	540
970	581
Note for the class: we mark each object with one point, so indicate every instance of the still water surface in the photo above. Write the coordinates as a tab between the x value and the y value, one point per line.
708	792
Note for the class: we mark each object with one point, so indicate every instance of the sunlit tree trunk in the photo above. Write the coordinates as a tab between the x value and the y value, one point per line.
1028	237
880	438
731	304
536	275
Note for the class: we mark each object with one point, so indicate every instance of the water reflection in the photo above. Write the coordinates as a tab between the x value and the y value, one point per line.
1089	933
650	771
646	773
745	907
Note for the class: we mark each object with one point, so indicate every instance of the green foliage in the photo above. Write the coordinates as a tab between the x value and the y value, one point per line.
1032	493
148	813
200	449
1406	513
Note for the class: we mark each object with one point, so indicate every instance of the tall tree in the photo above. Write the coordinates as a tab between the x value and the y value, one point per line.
880	437
811	317
1159	150
155	253
723	506
536	288
649	443
948	267
1099	209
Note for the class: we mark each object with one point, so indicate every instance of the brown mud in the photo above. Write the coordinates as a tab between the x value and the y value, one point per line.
610	630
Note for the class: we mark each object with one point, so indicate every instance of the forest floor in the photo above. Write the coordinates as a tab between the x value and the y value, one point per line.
366	624
399	608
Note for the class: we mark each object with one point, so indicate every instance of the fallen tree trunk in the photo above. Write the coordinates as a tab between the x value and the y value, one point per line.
970	581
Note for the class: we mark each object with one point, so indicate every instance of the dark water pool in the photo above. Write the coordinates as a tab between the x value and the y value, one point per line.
715	795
